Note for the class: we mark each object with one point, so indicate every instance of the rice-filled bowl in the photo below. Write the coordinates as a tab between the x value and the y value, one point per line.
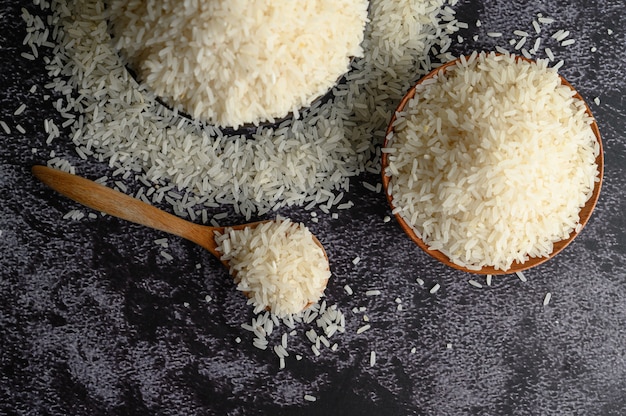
231	63
492	162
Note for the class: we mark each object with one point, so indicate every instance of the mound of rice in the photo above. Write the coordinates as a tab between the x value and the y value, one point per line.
306	162
237	62
277	264
491	161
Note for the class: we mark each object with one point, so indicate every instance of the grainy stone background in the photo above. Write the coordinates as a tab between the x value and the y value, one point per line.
94	321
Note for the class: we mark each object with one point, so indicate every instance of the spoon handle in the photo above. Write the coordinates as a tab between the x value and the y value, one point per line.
112	202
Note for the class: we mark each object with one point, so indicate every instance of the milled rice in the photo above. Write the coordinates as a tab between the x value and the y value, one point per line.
277	264
238	62
300	162
492	161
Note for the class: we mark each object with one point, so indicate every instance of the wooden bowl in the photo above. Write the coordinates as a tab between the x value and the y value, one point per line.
584	214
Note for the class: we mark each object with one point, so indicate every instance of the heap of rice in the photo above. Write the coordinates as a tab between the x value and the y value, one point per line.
277	264
237	62
195	168
492	161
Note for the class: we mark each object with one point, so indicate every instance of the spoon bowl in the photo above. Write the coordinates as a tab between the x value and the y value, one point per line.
117	204
584	214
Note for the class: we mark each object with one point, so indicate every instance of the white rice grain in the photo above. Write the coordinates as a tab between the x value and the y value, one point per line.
5	127
19	110
545	20
546	299
536	27
475	283
363	329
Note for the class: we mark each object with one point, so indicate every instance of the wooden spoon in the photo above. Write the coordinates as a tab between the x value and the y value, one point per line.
584	214
112	202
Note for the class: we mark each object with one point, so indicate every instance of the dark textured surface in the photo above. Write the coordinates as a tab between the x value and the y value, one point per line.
94	321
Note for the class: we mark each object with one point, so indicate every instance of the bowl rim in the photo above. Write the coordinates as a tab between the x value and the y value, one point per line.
584	213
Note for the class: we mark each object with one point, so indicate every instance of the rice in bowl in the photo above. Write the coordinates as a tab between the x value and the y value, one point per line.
232	63
492	160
